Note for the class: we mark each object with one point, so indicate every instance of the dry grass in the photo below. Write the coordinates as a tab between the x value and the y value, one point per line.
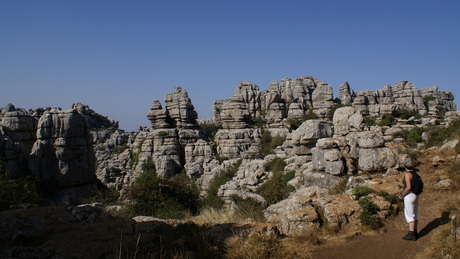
210	216
254	246
258	245
443	246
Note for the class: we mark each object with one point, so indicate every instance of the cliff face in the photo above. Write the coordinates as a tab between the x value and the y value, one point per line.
55	145
73	150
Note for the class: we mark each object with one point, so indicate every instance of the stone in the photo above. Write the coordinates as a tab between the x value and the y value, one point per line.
376	159
446	184
296	214
180	109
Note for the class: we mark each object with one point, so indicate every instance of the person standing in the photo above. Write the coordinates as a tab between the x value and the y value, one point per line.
410	205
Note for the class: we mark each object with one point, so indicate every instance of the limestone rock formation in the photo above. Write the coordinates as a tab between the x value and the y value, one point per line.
55	145
297	213
63	155
73	149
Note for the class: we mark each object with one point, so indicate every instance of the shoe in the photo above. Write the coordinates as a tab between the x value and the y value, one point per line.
411	236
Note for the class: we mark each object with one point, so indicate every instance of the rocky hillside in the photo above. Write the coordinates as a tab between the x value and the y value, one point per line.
319	137
322	146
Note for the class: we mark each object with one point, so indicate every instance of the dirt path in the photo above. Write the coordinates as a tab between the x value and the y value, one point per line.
388	243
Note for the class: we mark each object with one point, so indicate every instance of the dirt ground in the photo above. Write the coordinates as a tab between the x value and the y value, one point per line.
387	242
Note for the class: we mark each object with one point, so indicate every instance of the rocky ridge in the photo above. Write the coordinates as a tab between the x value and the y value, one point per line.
78	149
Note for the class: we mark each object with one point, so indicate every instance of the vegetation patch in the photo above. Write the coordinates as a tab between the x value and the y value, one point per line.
361	191
248	209
276	188
340	187
173	198
369	211
268	143
275	165
20	193
212	199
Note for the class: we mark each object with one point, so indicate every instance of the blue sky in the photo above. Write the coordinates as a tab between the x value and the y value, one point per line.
119	56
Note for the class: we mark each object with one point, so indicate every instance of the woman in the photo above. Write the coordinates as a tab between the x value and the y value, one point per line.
410	205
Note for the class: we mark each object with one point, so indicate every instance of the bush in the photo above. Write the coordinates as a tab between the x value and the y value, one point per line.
259	122
362	190
156	196
294	123
265	147
387	120
405	113
162	134
276	188
277	141
428	99
212	199
106	196
20	193
370	121
413	136
369	213
391	198
438	135
275	165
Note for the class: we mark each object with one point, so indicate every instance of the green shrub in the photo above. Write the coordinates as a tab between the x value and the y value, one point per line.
276	188
212	199
20	193
404	113
387	120
391	198
441	111
428	99
156	196
369	121
369	213
265	147
268	143
414	136
288	176
294	123
362	190
259	122
275	165
162	133
134	158
438	135
106	196
277	141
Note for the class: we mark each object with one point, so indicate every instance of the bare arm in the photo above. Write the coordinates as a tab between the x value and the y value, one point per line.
408	179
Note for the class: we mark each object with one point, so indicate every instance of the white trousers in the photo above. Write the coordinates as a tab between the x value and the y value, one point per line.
411	207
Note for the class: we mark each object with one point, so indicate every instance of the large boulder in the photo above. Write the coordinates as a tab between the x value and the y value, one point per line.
297	213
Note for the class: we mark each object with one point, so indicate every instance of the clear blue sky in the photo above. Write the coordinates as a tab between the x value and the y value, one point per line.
119	56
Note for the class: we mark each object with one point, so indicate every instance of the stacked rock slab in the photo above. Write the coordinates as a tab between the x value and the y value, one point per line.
18	129
401	96
63	155
172	130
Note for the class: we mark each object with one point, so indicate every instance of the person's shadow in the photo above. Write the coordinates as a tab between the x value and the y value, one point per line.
444	219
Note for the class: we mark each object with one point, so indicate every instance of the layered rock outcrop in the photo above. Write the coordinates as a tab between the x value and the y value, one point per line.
56	146
322	140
